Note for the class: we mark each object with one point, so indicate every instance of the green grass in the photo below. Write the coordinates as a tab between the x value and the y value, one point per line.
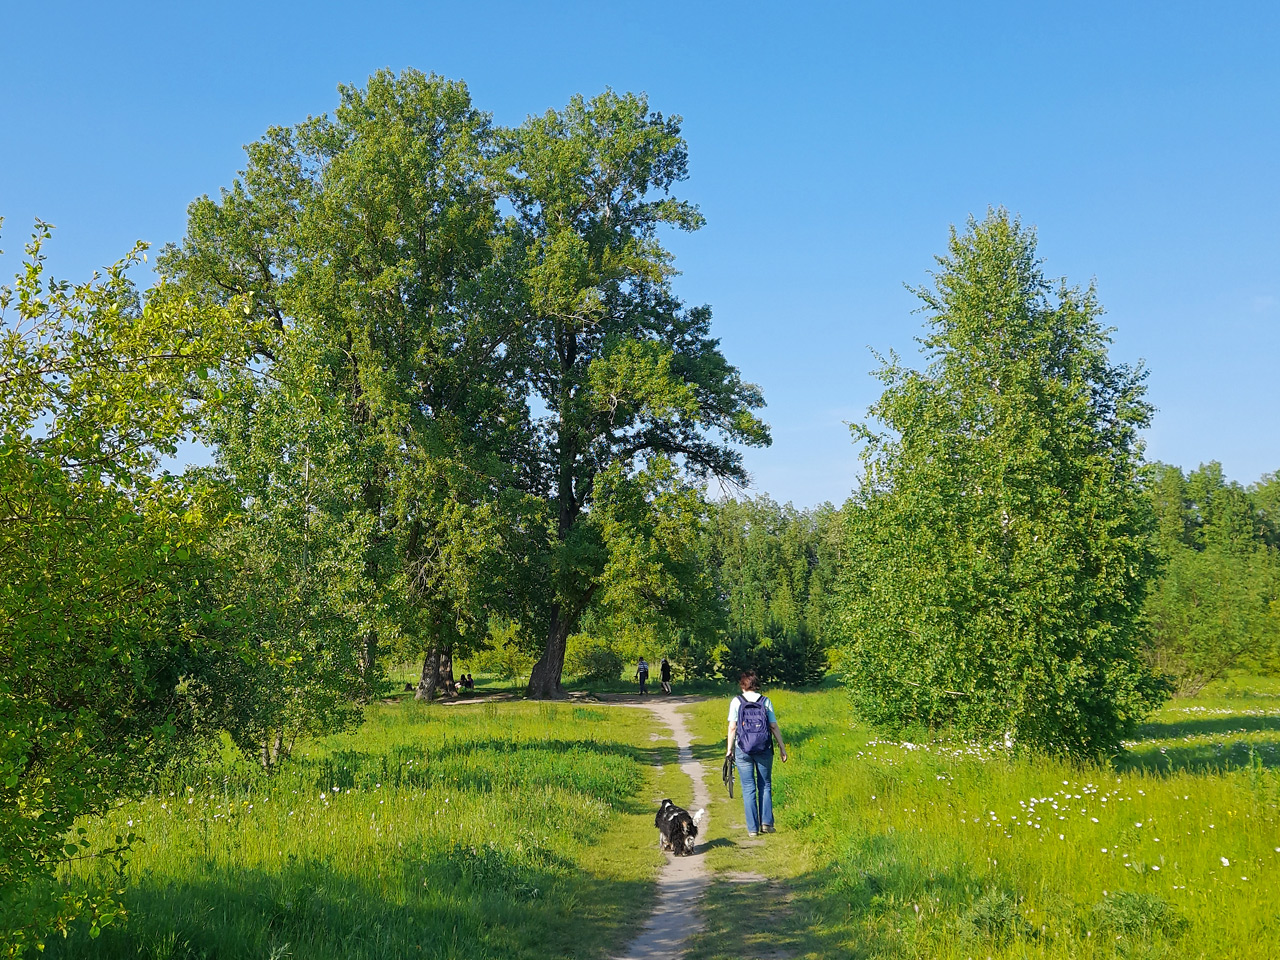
511	830
950	850
515	829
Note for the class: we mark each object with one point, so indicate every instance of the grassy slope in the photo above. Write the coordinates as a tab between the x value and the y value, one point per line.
516	830
945	851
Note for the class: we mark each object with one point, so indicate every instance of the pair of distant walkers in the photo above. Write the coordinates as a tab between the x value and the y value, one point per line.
642	674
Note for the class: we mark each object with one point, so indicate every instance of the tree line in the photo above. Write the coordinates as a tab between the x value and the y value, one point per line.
454	406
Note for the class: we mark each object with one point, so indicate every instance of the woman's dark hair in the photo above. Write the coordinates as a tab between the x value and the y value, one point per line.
749	680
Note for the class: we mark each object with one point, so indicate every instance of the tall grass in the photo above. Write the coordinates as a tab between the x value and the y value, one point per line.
461	831
944	849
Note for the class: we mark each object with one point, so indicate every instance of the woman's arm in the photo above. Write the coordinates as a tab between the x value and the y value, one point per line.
733	728
781	746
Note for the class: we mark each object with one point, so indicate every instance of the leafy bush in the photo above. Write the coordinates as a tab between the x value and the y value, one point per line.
994	916
595	660
1139	914
795	660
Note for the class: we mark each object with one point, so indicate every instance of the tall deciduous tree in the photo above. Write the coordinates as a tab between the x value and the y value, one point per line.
999	548
369	242
620	371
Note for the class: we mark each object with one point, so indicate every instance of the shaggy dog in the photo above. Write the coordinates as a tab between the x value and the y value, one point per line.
676	828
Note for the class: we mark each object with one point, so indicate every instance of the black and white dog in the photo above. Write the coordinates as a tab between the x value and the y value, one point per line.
676	829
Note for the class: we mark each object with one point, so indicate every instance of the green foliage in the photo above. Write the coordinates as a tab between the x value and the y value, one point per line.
1217	602
591	659
952	849
100	613
384	423
513	830
998	551
630	380
776	567
995	916
506	654
1139	914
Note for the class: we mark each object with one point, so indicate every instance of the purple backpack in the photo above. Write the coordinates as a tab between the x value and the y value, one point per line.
753	726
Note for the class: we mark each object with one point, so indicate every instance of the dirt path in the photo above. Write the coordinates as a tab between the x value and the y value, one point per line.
683	880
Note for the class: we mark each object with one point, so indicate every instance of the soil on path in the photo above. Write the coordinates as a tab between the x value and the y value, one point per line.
683	880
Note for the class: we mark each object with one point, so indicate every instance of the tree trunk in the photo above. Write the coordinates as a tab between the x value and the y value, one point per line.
273	750
544	680
437	674
368	666
430	674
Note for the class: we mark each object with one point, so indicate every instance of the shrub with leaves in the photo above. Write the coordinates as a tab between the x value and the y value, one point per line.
97	556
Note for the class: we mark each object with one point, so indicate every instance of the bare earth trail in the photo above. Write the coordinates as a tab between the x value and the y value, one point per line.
683	880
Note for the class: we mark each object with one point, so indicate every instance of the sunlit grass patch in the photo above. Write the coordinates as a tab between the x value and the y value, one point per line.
467	832
938	848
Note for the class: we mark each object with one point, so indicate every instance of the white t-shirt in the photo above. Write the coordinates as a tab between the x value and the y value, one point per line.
752	696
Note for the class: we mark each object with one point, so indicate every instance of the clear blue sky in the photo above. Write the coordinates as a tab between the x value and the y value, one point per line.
831	145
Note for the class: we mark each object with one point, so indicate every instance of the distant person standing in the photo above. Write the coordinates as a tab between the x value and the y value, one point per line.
642	674
753	726
664	671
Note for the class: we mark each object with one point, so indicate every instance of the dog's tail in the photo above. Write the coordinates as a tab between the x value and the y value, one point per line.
697	817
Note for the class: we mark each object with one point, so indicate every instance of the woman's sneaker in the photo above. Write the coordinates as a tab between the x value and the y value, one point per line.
767	828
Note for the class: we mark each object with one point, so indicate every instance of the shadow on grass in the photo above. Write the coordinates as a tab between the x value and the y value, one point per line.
717	843
1216	757
460	903
1208	726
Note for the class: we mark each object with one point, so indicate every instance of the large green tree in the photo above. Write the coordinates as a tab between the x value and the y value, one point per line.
623	377
100	615
999	547
369	242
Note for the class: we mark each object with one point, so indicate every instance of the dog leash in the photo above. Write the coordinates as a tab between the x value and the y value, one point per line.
726	773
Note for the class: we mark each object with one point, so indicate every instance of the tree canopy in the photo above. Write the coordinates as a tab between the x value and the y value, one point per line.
998	551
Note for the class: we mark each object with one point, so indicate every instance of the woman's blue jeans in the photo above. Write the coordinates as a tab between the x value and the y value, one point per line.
755	773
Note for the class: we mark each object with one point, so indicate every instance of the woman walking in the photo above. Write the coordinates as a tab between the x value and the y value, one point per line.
665	674
753	726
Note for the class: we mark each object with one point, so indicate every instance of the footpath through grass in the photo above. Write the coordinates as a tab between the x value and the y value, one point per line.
952	850
482	831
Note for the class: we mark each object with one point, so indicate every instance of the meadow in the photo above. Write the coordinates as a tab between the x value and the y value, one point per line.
944	849
515	829
476	831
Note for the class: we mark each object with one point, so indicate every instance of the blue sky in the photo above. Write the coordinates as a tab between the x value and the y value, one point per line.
831	145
